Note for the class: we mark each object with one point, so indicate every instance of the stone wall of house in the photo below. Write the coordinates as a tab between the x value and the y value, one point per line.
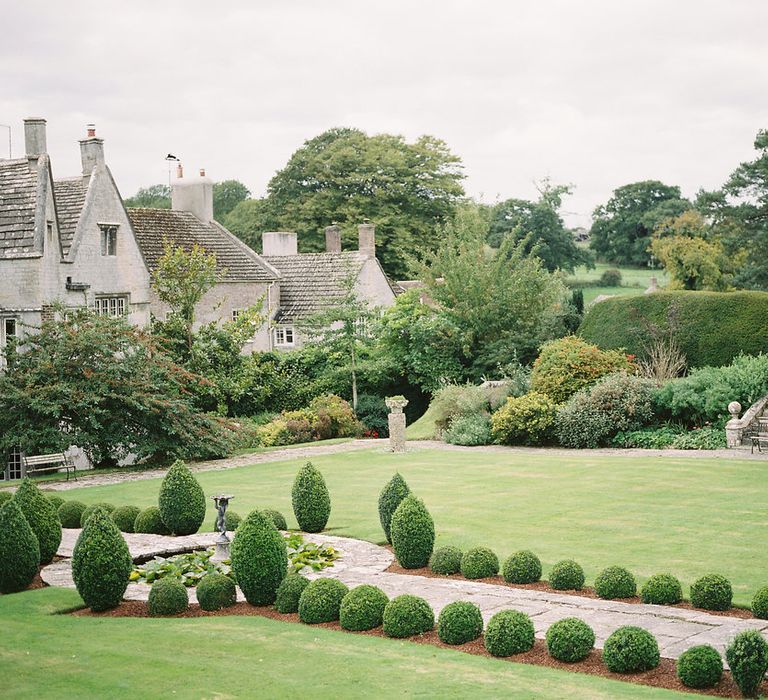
373	285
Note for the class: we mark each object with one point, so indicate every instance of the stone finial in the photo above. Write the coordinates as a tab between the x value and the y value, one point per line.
734	408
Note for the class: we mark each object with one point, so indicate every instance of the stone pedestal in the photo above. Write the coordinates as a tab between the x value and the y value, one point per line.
396	405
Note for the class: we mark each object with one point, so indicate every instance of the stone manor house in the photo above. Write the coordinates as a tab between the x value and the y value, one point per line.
72	242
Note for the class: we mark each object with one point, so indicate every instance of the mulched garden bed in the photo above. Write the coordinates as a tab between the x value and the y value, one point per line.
663	676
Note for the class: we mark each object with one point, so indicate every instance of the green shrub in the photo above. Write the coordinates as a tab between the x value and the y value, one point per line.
524	420
311	500
509	632
406	616
259	558
611	278
55	500
700	667
363	608
168	596
231	520
274	433
455	400
101	563
70	514
91	509
216	591
630	650
413	533
615	582
648	438
277	518
522	567
321	601
181	500
747	655
5	496
469	431
570	640
389	499
150	522
446	560
335	417
125	517
19	549
566	575
42	518
569	364
459	622
288	593
709	437
712	592
760	603
662	589
373	413
479	562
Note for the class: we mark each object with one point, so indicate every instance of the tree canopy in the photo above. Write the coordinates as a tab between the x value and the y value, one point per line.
226	196
152	197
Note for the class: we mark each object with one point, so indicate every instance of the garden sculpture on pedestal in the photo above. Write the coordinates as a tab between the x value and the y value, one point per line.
396	404
222	542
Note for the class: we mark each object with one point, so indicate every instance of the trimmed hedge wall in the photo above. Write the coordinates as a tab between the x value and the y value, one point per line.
714	327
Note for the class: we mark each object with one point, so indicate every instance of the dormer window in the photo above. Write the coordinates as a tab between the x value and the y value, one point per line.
108	239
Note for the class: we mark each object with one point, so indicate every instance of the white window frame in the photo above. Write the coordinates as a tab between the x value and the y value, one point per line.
111	305
284	336
236	313
5	323
108	238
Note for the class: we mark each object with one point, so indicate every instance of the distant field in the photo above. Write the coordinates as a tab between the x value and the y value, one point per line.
635	280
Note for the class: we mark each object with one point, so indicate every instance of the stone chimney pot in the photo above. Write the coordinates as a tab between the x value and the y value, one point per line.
35	141
279	243
366	233
333	239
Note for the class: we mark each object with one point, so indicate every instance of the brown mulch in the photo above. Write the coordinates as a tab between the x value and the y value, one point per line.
663	676
585	592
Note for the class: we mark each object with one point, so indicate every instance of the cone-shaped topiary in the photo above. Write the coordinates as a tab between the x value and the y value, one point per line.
150	522
289	592
19	549
259	558
181	500
101	563
125	517
321	600
91	509
413	533
70	513
311	500
389	499
216	591
168	596
363	608
277	518
42	518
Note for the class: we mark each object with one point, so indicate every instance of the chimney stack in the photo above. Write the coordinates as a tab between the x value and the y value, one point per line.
91	151
366	233
332	239
193	194
34	137
279	243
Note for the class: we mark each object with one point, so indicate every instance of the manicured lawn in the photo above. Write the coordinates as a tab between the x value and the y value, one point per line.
634	280
59	656
680	515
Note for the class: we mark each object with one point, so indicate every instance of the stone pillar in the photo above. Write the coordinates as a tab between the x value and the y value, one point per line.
396	404
734	428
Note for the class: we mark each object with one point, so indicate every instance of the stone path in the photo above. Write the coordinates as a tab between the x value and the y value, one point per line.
676	629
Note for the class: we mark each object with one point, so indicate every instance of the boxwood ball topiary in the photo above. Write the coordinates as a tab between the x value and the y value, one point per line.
363	608
125	517
150	522
662	589
630	650
413	533
747	655
459	622
446	560
406	616
522	567
566	575
311	500
615	582
70	513
181	500
277	518
42	518
101	563
19	549
479	562
91	509
389	499
760	604
570	640
321	601
288	593
168	596
259	558
216	591
700	667
712	592
509	632
231	520
55	500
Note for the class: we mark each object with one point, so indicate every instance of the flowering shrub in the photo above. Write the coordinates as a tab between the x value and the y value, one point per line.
524	420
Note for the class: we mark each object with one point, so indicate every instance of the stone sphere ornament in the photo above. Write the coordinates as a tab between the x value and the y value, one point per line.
734	408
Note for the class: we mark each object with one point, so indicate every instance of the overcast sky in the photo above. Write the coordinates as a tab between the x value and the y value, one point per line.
594	93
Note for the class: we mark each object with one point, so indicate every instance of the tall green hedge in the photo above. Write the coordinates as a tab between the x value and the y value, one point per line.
259	558
42	518
311	500
181	500
711	327
19	551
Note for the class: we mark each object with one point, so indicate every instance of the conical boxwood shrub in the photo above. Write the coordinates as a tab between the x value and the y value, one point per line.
19	550
259	558
181	500
42	518
101	563
311	500
413	533
389	499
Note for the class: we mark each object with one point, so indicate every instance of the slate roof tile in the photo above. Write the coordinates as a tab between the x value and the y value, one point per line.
18	196
70	199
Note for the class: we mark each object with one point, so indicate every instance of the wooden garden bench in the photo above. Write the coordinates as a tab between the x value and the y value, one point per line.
759	441
45	463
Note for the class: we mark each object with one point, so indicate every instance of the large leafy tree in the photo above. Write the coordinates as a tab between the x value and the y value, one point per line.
622	227
249	219
226	196
152	197
540	228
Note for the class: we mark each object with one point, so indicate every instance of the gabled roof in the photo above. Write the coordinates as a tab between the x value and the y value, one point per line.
235	261
70	200
18	203
312	282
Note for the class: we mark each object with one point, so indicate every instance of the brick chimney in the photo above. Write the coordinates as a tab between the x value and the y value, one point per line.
332	239
193	194
366	233
278	243
91	151
34	137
